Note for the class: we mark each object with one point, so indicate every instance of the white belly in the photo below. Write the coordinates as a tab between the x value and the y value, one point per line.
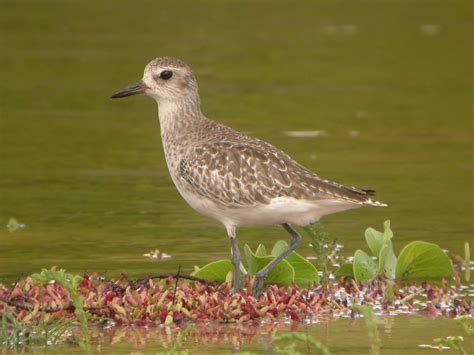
280	210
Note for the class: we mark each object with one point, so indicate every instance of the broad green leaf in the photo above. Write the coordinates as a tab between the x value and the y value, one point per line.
387	260
365	269
345	270
387	233
215	271
282	274
423	261
382	258
261	251
305	272
375	239
252	266
279	247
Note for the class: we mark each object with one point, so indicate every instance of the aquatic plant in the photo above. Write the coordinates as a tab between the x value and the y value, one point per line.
423	261
372	331
467	323
70	283
36	324
322	249
16	331
456	342
418	260
467	261
13	225
294	338
44	306
293	269
175	300
178	342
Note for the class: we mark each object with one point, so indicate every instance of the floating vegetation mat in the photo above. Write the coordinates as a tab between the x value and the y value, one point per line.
167	299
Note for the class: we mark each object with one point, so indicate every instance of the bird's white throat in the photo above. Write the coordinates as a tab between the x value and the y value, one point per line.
175	115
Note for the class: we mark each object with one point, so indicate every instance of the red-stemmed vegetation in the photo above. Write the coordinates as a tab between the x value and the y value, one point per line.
172	300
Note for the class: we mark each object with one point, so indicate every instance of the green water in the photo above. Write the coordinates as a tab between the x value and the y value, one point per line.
87	174
400	334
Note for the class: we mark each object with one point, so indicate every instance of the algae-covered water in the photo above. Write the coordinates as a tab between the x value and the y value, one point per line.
400	334
387	83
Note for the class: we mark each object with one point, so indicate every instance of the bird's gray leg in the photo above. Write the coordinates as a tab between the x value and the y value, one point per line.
235	257
262	274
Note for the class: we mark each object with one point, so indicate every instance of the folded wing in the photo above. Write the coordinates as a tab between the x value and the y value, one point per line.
247	174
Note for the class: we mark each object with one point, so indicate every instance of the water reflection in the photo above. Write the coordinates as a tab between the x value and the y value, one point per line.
337	335
202	335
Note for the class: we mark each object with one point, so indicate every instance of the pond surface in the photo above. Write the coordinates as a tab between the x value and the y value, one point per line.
387	84
403	333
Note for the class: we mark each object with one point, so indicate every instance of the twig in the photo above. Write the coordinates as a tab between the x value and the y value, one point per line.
176	284
47	310
111	283
181	276
130	282
153	277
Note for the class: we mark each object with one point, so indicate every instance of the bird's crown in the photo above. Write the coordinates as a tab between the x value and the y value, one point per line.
167	62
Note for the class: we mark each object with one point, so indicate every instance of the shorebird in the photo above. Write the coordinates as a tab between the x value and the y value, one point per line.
233	178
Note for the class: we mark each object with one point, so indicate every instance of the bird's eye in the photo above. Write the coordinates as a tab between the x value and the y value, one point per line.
166	74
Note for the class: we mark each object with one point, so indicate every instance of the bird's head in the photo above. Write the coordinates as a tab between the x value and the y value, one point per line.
164	79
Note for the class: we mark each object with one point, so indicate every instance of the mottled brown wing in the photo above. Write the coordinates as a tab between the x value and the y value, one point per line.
246	174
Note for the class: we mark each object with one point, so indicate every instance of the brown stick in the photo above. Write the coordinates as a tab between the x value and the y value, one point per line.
177	275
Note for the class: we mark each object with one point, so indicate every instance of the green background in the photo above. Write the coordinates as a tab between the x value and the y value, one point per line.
388	81
87	175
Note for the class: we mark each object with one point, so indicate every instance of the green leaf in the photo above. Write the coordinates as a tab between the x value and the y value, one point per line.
252	265
215	271
282	274
13	225
345	270
243	270
422	261
389	293
305	272
261	251
375	239
365	269
387	233
279	247
387	260
69	281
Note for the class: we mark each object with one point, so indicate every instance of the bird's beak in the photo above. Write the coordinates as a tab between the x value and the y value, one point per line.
138	88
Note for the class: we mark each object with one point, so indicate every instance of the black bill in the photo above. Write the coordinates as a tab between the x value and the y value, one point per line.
138	88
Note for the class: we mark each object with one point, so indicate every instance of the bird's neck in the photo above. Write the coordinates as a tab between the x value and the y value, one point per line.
178	118
178	115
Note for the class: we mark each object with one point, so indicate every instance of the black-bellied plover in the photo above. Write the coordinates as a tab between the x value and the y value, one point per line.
233	178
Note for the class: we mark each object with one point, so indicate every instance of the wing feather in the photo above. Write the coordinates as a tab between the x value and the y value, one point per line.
244	174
